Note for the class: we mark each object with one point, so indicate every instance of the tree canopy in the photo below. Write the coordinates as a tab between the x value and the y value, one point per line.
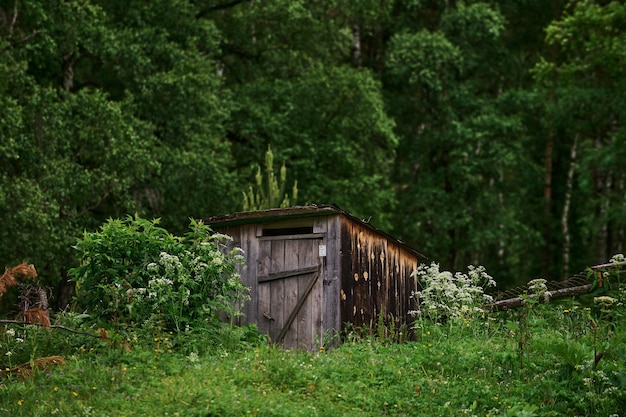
476	131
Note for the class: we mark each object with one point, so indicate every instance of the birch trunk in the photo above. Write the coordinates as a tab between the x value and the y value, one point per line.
566	207
603	185
547	201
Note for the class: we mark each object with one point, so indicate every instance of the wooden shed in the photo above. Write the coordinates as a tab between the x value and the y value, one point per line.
312	269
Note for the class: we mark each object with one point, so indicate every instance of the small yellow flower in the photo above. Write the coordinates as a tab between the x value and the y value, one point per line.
55	389
124	369
20	402
94	388
74	393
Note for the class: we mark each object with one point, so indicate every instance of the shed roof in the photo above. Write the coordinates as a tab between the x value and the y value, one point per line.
297	212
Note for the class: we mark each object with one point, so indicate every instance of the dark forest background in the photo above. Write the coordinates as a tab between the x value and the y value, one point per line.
478	132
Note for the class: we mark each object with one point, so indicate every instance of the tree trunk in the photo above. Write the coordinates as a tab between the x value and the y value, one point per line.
566	206
603	185
547	201
64	293
619	234
357	58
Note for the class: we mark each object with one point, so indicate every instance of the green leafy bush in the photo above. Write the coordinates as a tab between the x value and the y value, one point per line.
135	272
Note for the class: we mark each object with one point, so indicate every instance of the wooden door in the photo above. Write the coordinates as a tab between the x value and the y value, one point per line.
290	290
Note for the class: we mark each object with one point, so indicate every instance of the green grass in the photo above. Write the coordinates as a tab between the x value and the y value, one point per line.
468	368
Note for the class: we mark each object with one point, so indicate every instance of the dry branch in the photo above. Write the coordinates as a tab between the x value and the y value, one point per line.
54	326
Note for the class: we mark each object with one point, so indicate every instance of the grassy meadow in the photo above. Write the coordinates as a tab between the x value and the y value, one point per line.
564	358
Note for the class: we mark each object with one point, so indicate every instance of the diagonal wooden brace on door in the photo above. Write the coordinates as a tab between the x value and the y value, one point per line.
286	274
300	302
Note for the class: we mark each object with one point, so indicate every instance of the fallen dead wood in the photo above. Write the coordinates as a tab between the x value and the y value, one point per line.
54	326
579	284
550	295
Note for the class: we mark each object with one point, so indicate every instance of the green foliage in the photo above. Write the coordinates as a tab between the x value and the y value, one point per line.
584	83
137	273
331	125
461	168
451	124
106	111
467	371
269	190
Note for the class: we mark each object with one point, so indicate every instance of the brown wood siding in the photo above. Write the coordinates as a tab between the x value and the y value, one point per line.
376	277
347	278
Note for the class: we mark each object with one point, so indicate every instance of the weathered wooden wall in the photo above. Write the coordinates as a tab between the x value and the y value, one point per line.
376	277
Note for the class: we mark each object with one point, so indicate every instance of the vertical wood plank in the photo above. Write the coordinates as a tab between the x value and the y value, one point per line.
317	303
277	289
348	248
250	245
291	291
307	249
376	273
263	290
331	298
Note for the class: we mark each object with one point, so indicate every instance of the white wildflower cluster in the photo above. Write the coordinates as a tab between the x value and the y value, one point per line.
238	254
219	237
617	258
538	288
197	264
447	295
217	260
604	304
604	301
171	263
193	357
160	282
